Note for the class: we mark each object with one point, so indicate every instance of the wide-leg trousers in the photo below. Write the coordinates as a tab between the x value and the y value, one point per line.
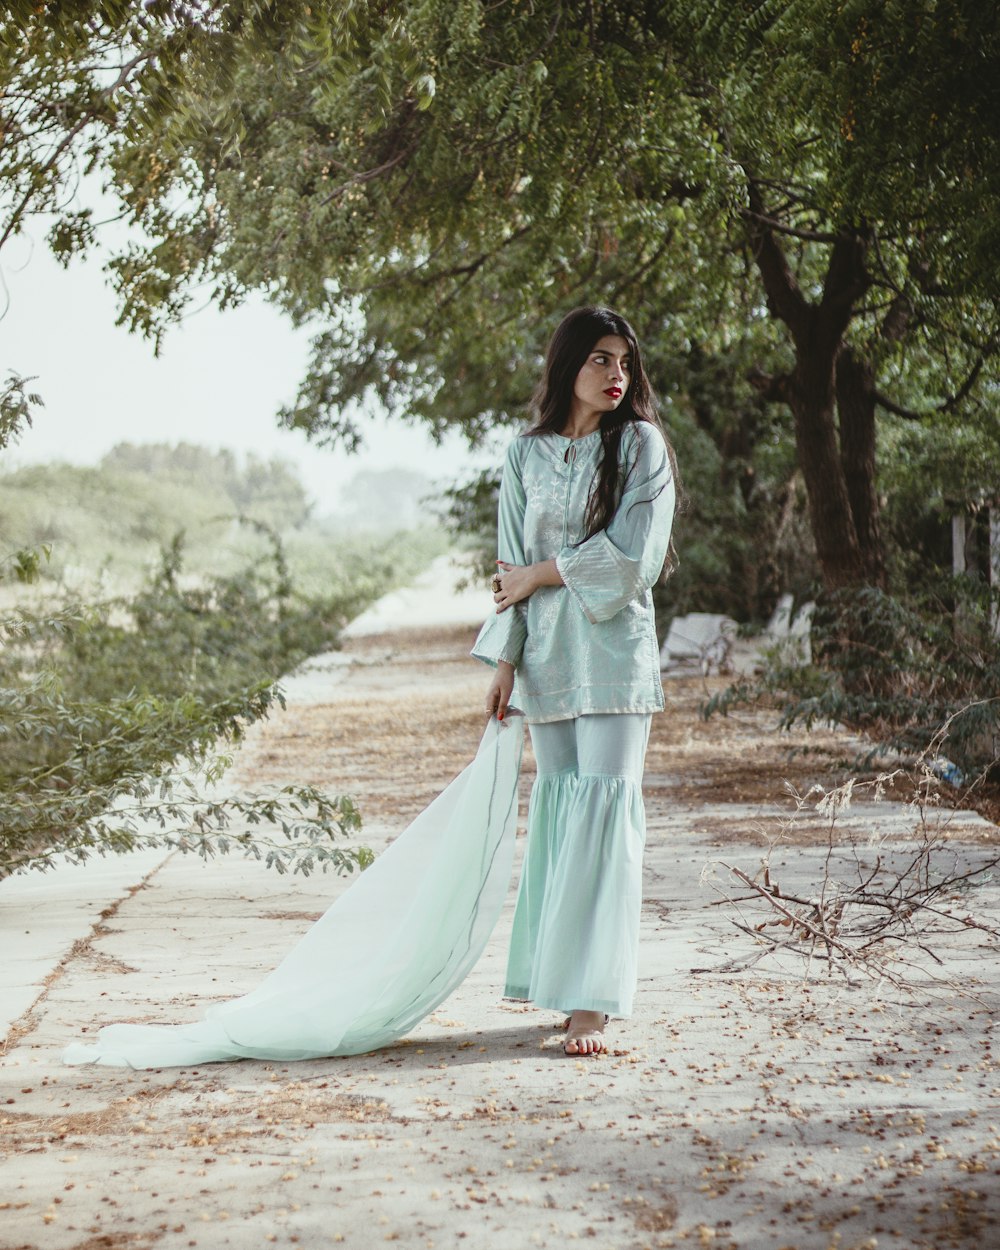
576	923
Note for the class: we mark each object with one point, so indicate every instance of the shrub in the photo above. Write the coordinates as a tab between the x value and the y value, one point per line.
114	716
918	674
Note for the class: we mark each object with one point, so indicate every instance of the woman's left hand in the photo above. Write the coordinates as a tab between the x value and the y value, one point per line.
517	582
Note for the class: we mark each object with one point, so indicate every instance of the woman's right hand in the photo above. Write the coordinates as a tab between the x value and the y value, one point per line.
498	695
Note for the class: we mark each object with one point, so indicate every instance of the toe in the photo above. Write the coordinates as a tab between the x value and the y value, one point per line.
584	1033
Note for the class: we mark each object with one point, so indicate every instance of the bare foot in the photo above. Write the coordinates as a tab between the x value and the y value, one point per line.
585	1033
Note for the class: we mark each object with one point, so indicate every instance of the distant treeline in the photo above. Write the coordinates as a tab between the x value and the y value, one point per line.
112	689
269	490
138	496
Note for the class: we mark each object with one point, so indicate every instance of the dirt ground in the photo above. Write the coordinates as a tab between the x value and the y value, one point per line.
408	712
765	1111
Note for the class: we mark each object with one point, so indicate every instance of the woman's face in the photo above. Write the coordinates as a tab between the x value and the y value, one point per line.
604	377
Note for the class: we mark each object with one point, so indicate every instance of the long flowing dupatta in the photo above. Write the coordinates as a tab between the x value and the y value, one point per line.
384	954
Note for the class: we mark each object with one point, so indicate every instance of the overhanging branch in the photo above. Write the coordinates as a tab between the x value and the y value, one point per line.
795	232
898	410
946	405
784	297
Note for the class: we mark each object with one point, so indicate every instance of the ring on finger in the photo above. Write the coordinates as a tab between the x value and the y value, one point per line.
496	584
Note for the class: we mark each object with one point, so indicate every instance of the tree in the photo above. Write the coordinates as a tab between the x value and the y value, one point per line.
863	192
89	764
267	490
68	75
77	79
434	181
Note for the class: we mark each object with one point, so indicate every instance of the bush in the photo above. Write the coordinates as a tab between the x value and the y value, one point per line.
115	716
112	717
919	675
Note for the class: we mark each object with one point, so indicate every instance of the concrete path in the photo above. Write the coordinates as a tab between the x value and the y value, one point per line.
751	1109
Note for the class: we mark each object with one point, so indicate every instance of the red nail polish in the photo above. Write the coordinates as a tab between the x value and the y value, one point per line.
500	716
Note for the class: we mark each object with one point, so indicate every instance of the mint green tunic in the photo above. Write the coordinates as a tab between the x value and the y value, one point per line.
588	646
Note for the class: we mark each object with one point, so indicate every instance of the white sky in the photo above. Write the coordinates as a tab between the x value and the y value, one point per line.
219	381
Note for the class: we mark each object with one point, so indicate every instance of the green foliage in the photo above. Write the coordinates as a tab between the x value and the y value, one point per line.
111	786
915	674
65	72
107	524
25	563
16	404
118	513
432	184
210	638
924	75
434	240
267	490
470	512
76	78
112	718
742	532
115	716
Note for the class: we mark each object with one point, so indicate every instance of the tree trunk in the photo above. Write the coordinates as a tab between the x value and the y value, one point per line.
811	396
837	467
856	410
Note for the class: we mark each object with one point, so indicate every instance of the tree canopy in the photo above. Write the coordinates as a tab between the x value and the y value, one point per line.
798	200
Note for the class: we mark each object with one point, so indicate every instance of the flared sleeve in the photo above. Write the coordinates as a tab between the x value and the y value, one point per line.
619	563
502	636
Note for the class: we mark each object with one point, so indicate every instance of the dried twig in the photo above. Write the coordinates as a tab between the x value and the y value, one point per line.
871	926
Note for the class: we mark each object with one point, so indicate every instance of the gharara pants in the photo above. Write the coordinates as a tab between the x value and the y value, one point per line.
576	924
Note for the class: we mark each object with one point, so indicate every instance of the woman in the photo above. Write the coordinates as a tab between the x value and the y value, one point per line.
585	512
586	508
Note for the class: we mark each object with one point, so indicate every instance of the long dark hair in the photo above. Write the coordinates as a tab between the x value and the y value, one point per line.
569	348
